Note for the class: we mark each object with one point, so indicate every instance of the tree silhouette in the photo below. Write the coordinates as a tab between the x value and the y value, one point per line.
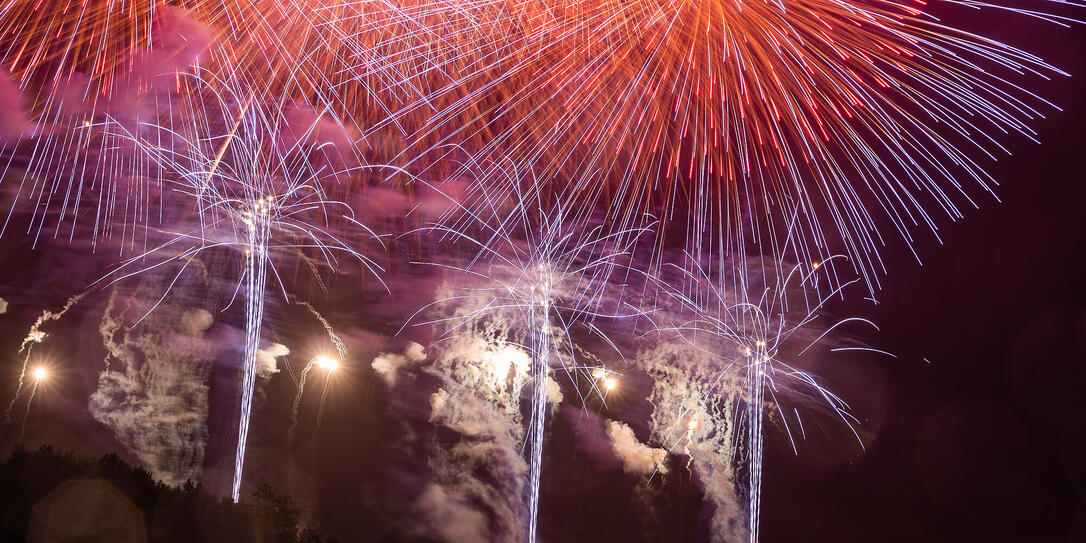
93	499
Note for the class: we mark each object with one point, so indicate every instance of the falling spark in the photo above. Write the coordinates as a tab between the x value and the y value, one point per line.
39	375
326	363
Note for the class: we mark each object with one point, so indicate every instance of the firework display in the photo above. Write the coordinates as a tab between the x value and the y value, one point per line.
508	210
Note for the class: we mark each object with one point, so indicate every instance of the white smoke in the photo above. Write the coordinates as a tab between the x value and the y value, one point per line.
155	398
386	364
693	408
483	372
267	359
196	322
637	458
450	517
414	351
484	467
554	392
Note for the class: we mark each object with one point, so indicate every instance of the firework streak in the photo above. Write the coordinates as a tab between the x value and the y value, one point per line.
572	150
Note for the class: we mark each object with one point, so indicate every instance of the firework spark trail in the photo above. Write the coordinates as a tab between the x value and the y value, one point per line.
540	371
132	48
551	268
856	116
256	273
324	398
82	68
324	362
29	402
246	178
39	375
75	66
763	316
745	115
330	366
19	386
755	439
296	404
341	348
713	99
36	335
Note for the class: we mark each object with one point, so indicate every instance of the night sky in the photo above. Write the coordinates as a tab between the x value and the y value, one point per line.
976	430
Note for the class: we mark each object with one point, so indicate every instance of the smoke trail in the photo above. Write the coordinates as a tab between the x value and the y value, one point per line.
482	368
330	366
154	397
297	403
29	402
693	415
341	348
320	407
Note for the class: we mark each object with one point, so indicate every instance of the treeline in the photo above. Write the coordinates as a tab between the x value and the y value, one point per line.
50	495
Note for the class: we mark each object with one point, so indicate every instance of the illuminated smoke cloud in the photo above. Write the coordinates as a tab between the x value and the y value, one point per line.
637	458
196	322
482	372
436	200
68	95
414	351
154	396
267	359
693	411
484	467
450	517
554	392
3	306
305	127
179	40
473	378
386	364
13	121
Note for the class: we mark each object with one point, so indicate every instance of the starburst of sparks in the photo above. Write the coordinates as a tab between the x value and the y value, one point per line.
574	146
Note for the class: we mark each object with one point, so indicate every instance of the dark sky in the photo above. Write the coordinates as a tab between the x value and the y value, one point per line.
987	442
978	426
